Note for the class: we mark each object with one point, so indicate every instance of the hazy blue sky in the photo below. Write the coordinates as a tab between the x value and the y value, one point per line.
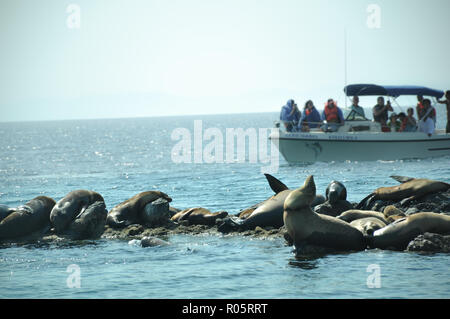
165	57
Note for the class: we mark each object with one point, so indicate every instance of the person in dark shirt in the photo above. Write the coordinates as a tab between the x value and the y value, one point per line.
447	103
380	113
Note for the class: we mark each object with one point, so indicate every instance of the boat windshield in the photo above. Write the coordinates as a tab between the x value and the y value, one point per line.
352	115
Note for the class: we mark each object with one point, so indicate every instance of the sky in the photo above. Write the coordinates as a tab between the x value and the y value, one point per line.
84	59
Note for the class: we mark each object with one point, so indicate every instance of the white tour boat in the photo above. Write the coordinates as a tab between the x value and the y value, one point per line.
363	140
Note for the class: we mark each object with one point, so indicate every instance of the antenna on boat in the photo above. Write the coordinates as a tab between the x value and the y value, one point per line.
345	64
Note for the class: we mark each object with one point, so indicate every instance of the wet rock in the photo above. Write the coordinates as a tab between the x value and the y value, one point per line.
429	242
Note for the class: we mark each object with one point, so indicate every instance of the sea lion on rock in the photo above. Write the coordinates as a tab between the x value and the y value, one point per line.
70	206
26	219
5	211
198	216
354	214
335	191
410	189
368	225
336	200
306	227
392	213
90	223
398	234
131	211
156	212
268	213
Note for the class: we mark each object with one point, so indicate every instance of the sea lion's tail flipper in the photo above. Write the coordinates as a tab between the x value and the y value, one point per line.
401	179
363	203
276	185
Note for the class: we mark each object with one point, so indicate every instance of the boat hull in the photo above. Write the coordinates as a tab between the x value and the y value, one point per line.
327	147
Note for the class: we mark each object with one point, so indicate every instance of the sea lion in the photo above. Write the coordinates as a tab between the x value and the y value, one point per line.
90	223
354	214
368	225
392	213
336	200
5	211
268	213
130	211
335	191
306	227
150	241
70	206
410	189
198	216
26	219
398	234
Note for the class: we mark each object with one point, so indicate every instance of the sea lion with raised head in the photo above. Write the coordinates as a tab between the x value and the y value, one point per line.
198	216
70	206
268	213
306	227
132	210
398	234
409	189
26	219
336	200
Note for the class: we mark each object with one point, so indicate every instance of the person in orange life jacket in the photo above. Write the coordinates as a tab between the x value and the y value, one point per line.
290	115
426	123
447	102
310	117
333	116
380	113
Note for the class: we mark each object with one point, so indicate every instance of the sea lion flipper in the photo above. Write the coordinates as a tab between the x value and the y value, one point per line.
362	204
402	179
276	185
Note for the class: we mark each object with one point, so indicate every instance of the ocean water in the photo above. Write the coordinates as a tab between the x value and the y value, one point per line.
121	157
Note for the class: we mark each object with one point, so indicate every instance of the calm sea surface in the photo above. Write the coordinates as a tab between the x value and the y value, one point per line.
122	157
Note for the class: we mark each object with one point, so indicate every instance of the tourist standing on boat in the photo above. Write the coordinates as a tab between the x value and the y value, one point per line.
380	113
447	102
333	116
409	123
310	117
420	109
426	123
356	110
290	115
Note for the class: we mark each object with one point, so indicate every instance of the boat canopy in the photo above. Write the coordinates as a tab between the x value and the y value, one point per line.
390	90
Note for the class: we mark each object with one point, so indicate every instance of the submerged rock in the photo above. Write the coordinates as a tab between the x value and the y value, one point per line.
430	242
